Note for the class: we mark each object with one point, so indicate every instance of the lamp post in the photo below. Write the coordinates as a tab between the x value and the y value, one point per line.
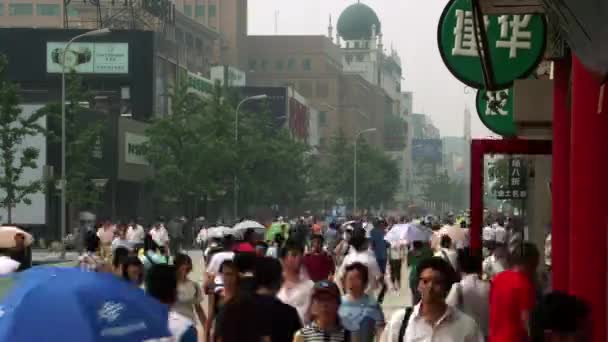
63	181
236	142
355	167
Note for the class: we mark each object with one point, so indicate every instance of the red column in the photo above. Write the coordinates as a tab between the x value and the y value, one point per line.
560	176
476	194
588	189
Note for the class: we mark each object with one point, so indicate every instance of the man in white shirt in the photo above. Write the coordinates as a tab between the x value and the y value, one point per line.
488	237
360	253
136	234
297	287
159	234
213	275
432	319
500	235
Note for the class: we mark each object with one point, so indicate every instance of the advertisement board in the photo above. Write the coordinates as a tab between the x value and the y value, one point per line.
427	150
88	58
134	148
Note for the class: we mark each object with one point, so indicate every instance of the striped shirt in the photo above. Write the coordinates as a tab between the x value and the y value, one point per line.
312	333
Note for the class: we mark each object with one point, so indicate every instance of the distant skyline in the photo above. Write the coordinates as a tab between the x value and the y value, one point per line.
410	27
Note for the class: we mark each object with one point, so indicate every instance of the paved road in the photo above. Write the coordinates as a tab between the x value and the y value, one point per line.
392	301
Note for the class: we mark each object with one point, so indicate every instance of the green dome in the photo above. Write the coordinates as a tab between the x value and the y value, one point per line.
355	22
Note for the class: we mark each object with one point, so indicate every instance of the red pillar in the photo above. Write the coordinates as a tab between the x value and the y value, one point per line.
588	189
477	166
560	221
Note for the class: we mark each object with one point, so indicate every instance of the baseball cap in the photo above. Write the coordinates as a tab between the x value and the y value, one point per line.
326	287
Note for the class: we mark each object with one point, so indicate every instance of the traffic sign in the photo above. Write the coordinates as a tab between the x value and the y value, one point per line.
516	44
495	109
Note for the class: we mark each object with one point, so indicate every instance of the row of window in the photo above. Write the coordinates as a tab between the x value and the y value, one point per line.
280	65
358	57
42	10
199	10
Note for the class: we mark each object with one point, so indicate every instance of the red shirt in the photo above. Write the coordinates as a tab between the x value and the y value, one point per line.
245	247
512	297
319	266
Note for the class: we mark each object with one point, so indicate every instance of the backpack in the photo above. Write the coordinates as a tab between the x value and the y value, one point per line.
405	322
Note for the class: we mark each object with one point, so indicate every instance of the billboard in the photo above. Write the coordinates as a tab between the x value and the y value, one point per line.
88	58
35	213
427	150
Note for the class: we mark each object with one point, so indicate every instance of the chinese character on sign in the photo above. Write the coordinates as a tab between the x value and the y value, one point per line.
501	193
464	39
516	163
513	34
497	102
515	181
508	194
515	193
515	173
523	194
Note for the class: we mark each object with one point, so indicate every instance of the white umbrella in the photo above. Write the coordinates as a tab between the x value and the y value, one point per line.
219	232
418	232
248	224
7	236
397	233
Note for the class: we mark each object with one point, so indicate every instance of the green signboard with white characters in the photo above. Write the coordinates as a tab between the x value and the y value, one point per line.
495	109
516	44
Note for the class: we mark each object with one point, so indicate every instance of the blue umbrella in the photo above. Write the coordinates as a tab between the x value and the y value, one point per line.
67	304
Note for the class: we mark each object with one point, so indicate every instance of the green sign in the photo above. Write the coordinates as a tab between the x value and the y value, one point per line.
197	83
516	44
495	109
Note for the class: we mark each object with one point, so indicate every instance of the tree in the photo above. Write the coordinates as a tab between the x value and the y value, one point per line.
81	138
15	128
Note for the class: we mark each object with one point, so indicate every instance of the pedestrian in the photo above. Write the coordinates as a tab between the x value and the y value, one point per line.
325	325
175	229
396	256
133	271
89	261
121	239
106	236
248	244
213	274
319	264
221	294
151	254
241	320
488	236
281	320
343	247
136	234
495	263
561	317
360	313
380	248
420	251
159	233
297	286
447	251
245	264
331	237
472	294
361	253
275	247
189	294
161	283
512	297
118	260
261	248
433	319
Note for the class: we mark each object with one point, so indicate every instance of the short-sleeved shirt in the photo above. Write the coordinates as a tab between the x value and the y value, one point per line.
240	320
361	317
319	266
217	260
488	233
512	297
188	294
282	320
378	243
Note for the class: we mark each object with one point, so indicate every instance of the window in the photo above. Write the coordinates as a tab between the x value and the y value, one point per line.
199	45
356	45
20	9
199	11
212	11
305	88
1	9
188	10
279	65
349	59
322	89
322	118
360	58
306	64
291	64
253	64
48	10
189	40
179	36
72	12
264	65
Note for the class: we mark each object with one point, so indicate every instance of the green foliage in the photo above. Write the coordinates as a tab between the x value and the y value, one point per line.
377	174
14	130
194	152
81	137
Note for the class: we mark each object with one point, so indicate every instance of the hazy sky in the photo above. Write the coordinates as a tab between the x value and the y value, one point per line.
410	26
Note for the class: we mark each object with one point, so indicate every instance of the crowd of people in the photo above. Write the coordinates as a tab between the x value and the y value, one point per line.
309	281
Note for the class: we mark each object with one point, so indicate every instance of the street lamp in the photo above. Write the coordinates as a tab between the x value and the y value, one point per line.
355	166
236	142
63	181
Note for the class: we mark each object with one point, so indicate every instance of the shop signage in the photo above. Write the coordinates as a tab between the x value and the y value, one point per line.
516	44
198	84
516	182
495	109
135	149
88	58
